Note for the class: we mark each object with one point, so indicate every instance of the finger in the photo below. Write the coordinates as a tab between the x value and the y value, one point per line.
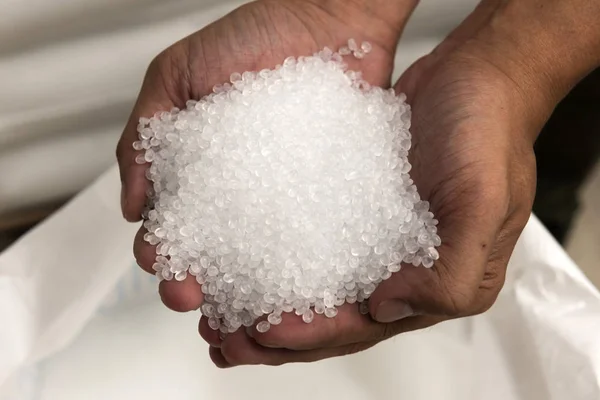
217	358
181	296
449	288
153	97
349	326
212	337
240	349
468	231
144	253
471	207
444	290
405	294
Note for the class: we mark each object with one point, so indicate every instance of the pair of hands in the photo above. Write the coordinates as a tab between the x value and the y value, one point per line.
474	124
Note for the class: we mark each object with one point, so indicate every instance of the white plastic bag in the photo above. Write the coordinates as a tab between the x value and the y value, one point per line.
80	321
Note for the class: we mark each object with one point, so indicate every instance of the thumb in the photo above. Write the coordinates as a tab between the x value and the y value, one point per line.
449	289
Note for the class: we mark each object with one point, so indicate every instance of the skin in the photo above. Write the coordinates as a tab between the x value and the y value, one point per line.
479	101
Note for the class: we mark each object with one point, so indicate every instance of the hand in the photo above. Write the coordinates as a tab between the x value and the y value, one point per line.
475	120
256	36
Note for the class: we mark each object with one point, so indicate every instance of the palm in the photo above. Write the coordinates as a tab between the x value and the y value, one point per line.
468	162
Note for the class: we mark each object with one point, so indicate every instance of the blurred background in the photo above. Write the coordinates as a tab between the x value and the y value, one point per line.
70	71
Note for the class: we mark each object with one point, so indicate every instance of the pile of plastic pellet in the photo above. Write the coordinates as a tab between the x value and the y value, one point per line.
286	190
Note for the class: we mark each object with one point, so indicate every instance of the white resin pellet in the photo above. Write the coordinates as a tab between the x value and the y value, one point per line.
286	190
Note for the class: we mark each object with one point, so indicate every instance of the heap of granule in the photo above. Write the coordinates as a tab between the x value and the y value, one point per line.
286	190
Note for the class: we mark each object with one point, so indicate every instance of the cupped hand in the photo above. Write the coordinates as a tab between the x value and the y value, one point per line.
256	36
473	132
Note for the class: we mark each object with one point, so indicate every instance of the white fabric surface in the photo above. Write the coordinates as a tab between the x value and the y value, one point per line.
80	321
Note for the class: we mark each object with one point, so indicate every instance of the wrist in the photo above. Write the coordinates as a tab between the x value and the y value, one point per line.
544	46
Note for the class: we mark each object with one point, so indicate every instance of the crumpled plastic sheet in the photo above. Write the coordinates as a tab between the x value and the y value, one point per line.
79	320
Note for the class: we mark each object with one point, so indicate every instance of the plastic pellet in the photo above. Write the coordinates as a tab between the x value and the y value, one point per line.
308	316
263	326
274	319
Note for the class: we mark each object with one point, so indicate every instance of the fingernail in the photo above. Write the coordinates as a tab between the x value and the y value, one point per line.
250	331
393	310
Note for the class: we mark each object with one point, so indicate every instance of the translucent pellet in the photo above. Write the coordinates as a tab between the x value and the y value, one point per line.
352	45
263	326
366	47
331	312
359	54
274	319
308	316
180	275
214	323
345	51
285	190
